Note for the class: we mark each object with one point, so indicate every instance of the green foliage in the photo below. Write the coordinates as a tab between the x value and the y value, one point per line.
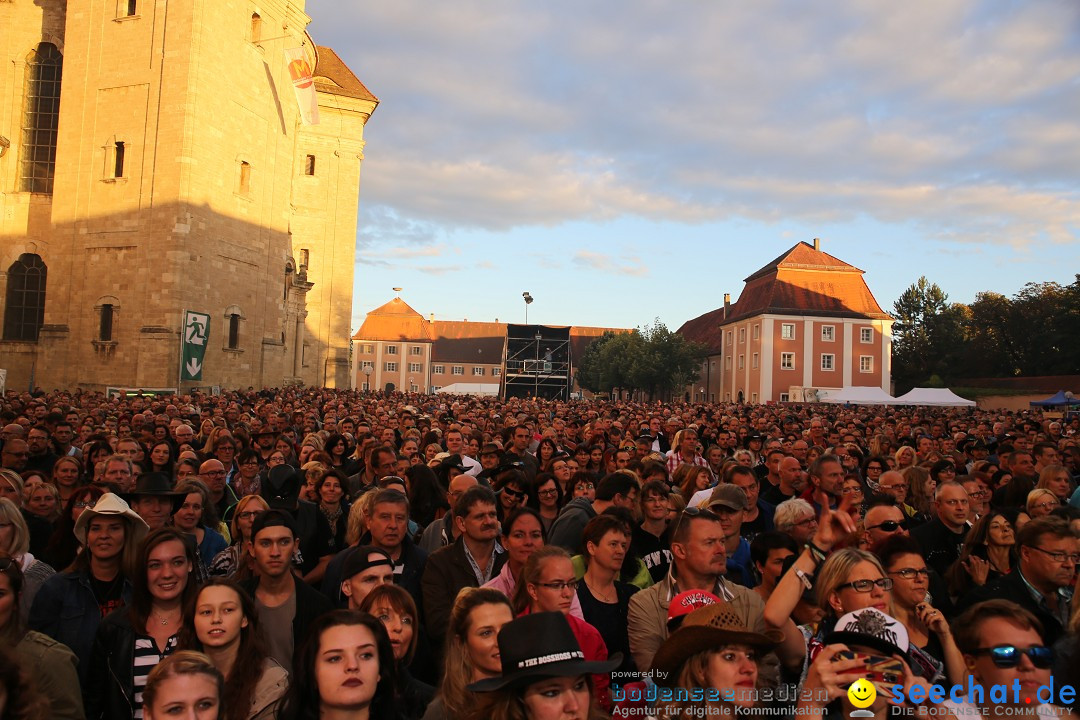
1036	332
652	359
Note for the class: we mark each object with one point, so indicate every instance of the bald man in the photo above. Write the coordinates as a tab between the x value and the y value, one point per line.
792	482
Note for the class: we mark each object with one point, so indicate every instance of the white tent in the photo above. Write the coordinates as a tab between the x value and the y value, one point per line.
490	389
939	397
857	396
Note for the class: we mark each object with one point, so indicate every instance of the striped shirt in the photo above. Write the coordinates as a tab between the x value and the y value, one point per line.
146	657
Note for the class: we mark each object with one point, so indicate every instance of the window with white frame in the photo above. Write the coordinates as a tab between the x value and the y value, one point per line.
457	370
754	361
496	372
742	335
757	331
828	361
787	331
728	337
416	350
753	397
478	371
414	388
866	335
436	388
784	397
391	349
727	362
828	333
368	365
866	363
390	367
438	369
742	362
416	367
787	361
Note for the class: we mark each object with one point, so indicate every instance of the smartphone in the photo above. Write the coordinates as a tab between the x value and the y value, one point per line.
883	672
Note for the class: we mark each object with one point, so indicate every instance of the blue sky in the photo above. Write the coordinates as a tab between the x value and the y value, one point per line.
624	160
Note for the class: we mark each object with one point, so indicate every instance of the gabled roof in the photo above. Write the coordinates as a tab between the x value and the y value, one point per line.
394	321
332	75
803	281
461	341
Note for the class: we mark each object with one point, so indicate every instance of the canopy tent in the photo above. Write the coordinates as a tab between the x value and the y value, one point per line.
489	389
939	397
1059	399
857	396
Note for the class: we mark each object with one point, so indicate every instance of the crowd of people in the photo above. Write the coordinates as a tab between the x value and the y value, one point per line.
314	553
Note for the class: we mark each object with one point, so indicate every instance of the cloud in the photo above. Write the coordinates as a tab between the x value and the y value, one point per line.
957	117
602	262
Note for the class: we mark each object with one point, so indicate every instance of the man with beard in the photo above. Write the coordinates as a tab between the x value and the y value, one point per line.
791	482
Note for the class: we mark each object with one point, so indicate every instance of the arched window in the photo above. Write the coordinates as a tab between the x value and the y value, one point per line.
24	310
41	120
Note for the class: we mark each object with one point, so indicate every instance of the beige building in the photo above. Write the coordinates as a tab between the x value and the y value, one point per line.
805	322
152	161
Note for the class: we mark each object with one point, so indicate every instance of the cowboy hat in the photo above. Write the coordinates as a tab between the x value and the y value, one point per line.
707	628
541	645
155	484
112	505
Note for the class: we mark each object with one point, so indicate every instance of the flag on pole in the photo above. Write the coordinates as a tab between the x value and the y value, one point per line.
303	85
193	344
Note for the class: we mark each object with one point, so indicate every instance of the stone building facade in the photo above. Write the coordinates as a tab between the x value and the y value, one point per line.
805	322
155	162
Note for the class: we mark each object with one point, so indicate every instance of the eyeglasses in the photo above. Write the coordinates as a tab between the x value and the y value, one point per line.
851	490
865	586
873	467
214	473
1045	506
249	462
247	514
1059	556
898	486
513	493
1008	656
806	521
911	573
548	493
560	585
889	525
979	494
83	504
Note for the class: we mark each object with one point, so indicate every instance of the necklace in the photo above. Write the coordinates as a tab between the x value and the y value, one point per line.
164	620
603	596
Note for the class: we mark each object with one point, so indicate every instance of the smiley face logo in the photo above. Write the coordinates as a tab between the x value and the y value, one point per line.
862	693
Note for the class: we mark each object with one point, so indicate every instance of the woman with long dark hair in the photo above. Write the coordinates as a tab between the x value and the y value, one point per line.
222	622
344	670
63	546
395	609
132	640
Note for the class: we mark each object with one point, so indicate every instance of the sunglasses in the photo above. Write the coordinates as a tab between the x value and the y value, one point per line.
1008	656
890	525
513	493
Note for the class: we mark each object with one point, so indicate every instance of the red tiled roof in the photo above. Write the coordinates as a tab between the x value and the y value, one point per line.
394	321
332	75
461	341
802	281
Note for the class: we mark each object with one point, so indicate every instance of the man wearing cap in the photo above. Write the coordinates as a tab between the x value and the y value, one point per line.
286	605
700	561
69	606
265	438
615	490
154	500
442	532
365	568
728	502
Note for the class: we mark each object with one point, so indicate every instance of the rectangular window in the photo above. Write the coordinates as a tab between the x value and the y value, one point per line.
866	363
754	361
728	337
368	365
245	178
390	367
391	349
727	362
118	160
416	367
416	350
105	327
742	362
365	387
787	361
438	369
742	335
414	388
496	372
436	388
478	371
234	331
753	398
368	349
828	333
309	164
457	370
866	335
784	397
757	331
132	7
828	361
787	331
256	32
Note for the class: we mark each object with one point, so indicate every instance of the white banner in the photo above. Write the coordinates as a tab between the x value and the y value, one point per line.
303	85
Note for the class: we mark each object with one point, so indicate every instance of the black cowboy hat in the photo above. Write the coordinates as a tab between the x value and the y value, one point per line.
281	488
155	484
541	645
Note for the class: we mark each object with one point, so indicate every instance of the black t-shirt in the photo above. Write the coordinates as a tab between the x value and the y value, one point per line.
313	531
772	494
610	620
108	593
654	551
940	545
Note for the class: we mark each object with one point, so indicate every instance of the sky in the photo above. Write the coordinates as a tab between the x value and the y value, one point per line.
628	160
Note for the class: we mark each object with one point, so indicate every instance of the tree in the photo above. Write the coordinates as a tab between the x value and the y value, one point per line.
913	343
651	359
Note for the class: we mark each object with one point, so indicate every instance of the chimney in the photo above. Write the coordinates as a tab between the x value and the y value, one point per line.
817	244
727	304
431	317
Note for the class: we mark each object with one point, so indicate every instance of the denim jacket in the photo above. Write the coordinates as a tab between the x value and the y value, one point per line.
66	610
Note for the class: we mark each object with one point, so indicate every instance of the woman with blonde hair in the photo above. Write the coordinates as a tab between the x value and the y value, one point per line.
235	561
905	457
1056	479
15	543
472	650
1041	502
66	476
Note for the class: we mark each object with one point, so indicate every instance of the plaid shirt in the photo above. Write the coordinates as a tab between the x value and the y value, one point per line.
675	460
